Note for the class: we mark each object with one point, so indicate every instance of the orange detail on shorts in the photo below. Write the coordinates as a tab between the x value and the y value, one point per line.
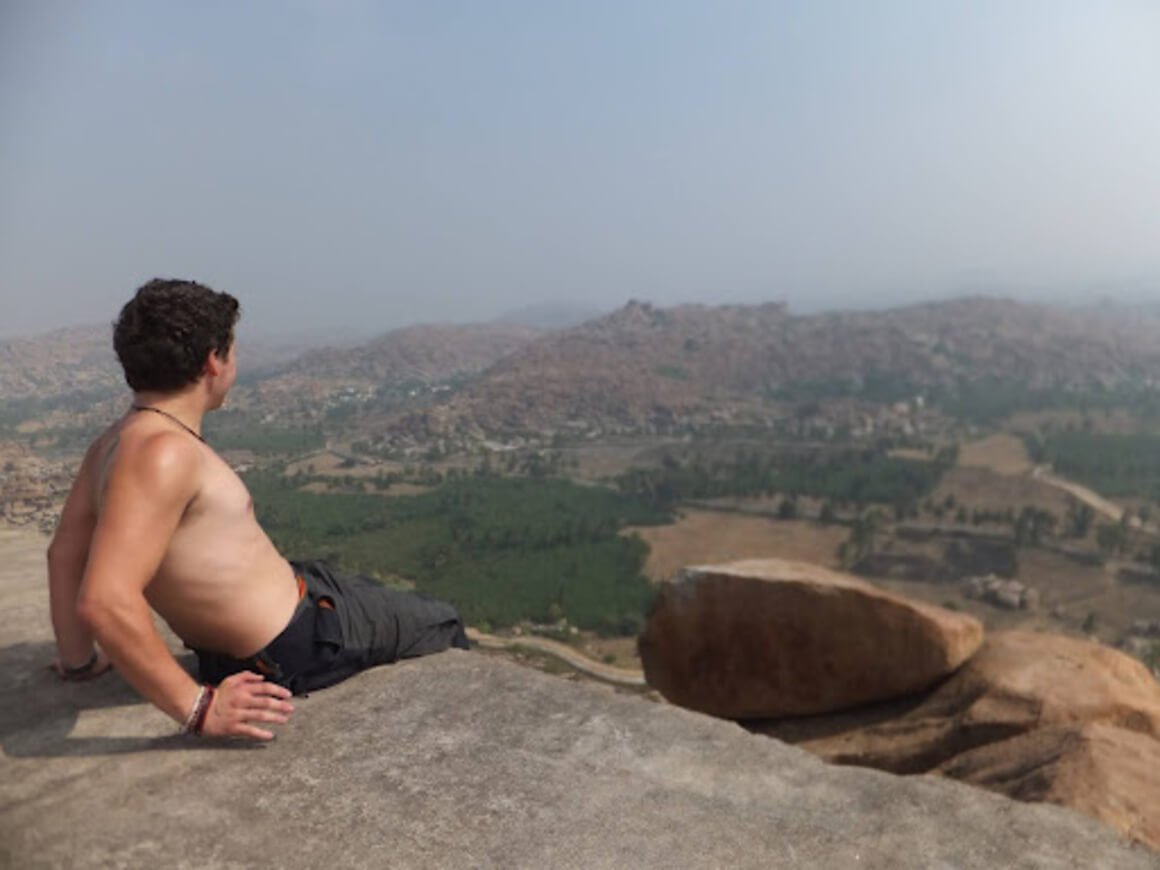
326	604
301	588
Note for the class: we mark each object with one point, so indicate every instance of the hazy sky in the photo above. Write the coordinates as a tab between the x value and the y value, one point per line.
372	164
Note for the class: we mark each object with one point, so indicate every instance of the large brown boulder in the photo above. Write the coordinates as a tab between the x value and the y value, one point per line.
1038	717
767	638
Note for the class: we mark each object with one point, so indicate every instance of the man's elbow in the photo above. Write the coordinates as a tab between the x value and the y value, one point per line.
93	613
103	615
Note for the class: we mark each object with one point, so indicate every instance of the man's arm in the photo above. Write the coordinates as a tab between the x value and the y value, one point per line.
148	490
67	554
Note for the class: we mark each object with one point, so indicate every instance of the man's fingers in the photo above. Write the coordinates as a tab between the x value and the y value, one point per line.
273	690
258	684
265	704
246	698
241	729
267	716
101	665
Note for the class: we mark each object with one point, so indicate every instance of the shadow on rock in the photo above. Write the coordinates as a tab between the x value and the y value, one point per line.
39	712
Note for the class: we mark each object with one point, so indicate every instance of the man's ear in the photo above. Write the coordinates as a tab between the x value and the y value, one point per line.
214	364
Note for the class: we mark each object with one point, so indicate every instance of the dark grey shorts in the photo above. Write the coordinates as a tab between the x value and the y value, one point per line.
344	624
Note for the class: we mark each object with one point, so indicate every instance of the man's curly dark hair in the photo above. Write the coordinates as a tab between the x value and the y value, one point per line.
165	332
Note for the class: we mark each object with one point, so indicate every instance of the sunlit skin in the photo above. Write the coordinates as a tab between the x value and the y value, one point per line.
156	520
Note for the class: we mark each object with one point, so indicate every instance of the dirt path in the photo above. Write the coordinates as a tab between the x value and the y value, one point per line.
620	676
1091	498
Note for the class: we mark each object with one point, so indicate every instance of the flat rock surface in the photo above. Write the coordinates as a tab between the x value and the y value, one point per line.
459	760
773	637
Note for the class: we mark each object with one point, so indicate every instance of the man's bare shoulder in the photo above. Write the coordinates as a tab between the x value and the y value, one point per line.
164	462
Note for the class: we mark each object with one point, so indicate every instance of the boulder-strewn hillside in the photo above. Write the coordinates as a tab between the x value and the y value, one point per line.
645	365
404	366
428	354
275	375
78	360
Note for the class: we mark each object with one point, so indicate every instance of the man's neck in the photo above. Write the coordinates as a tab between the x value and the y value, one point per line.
187	408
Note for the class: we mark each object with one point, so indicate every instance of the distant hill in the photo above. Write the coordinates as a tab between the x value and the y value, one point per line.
426	354
78	361
643	365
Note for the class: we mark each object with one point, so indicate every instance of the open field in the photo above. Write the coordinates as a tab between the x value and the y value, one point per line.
911	453
329	464
619	652
703	537
1066	587
603	461
1069	588
986	489
1001	453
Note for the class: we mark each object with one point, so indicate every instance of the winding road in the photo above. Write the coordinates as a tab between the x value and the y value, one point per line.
608	673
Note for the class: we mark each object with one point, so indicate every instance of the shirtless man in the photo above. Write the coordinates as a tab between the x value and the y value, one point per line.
156	519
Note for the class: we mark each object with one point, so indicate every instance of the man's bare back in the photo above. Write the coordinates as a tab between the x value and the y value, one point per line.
222	585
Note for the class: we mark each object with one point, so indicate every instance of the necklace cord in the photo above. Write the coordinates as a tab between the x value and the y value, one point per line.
172	417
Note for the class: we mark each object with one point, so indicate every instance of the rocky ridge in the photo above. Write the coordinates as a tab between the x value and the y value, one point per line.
79	360
644	367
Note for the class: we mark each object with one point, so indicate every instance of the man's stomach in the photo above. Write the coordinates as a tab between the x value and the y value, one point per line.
234	611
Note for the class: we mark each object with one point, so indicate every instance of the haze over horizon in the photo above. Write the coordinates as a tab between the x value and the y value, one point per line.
363	166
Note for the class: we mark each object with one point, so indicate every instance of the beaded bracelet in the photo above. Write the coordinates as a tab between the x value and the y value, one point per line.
80	672
199	725
196	717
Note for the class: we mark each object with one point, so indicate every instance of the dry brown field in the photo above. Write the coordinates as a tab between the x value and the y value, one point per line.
329	464
1001	453
602	461
704	537
911	453
808	506
617	651
317	486
1074	588
983	488
403	489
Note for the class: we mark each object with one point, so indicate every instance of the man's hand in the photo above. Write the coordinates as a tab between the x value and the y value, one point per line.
100	664
244	698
